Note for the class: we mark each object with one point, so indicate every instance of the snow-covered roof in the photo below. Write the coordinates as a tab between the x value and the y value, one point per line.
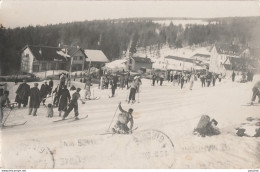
95	56
116	64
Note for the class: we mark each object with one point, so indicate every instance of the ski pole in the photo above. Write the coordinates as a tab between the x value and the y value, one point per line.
112	118
6	117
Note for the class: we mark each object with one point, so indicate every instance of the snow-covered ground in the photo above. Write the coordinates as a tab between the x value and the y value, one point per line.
165	116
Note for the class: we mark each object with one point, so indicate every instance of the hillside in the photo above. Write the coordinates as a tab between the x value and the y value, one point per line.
113	36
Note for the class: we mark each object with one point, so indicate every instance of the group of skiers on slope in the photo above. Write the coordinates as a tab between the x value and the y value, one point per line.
181	78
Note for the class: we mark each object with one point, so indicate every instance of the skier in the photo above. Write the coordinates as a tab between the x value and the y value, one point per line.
35	99
44	91
113	84
22	92
133	90
4	100
73	105
64	99
256	92
57	92
87	87
123	119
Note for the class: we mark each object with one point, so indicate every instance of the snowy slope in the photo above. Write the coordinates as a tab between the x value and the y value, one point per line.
166	108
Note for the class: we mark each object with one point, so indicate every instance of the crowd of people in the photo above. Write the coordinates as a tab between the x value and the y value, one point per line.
66	101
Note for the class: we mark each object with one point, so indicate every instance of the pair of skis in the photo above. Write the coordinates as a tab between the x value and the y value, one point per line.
106	133
74	119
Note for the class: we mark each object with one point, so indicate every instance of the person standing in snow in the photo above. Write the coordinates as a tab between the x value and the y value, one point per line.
233	76
4	101
213	79
22	92
208	78
123	119
122	81
256	92
62	79
35	99
182	79
64	99
154	78
50	86
44	91
57	92
127	77
192	78
87	86
161	79
73	105
133	90
220	77
203	80
168	76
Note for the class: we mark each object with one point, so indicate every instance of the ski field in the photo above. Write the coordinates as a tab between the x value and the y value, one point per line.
165	117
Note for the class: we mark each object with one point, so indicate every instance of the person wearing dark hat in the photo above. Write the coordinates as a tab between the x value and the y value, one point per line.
35	99
22	94
73	104
64	99
123	119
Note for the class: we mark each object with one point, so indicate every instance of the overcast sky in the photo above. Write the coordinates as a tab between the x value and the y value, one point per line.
23	13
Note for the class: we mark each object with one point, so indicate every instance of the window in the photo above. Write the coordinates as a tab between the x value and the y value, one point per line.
80	58
36	68
53	66
130	61
27	55
44	66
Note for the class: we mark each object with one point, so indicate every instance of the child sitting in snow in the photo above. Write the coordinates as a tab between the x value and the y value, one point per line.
50	110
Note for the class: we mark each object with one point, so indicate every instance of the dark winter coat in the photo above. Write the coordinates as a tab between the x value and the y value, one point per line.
35	98
64	99
22	92
44	90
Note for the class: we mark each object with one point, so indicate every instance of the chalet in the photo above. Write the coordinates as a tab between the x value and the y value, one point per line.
220	54
95	57
177	64
78	58
139	63
42	58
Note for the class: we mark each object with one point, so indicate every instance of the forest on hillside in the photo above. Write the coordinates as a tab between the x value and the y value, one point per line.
113	36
